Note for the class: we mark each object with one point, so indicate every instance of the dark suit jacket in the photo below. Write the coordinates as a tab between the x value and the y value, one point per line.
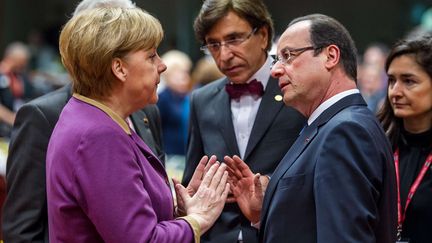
211	132
25	210
336	183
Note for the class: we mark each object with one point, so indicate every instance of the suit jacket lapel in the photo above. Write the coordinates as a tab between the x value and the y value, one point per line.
222	106
267	111
307	135
140	122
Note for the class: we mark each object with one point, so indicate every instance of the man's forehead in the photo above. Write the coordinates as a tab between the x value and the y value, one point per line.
231	23
295	34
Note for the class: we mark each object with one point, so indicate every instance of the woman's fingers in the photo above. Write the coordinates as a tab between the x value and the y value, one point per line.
209	175
199	171
181	192
216	180
221	186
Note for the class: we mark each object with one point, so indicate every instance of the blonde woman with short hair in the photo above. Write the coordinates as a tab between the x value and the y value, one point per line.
104	184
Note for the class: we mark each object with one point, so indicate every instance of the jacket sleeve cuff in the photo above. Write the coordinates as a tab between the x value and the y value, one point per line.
195	227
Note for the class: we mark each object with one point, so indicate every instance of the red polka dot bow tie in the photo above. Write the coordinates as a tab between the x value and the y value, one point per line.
254	88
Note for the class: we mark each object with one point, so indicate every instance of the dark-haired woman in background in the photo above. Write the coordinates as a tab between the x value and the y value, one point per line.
407	119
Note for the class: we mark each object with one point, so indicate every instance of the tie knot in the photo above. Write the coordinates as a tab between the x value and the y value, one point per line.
254	88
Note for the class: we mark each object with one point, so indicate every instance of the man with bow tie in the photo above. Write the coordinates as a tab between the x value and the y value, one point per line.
243	113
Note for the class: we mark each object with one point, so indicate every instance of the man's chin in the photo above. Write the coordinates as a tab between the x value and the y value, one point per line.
154	98
288	100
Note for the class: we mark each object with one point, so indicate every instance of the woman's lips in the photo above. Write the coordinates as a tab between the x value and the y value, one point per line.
399	104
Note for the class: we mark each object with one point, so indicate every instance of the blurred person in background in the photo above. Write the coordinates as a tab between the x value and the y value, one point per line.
376	55
15	86
370	86
372	79
407	119
25	216
173	102
104	184
243	113
205	72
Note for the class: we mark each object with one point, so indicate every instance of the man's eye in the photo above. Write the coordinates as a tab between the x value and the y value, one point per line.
285	55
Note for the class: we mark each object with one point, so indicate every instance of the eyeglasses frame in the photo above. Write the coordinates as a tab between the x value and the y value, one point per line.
227	43
291	55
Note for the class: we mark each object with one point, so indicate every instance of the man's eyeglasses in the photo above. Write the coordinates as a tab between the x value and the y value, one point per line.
214	47
286	55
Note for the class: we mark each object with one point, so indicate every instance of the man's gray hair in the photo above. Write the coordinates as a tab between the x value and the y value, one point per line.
90	4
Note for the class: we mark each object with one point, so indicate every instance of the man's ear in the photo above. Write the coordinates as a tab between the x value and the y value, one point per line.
333	56
119	69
